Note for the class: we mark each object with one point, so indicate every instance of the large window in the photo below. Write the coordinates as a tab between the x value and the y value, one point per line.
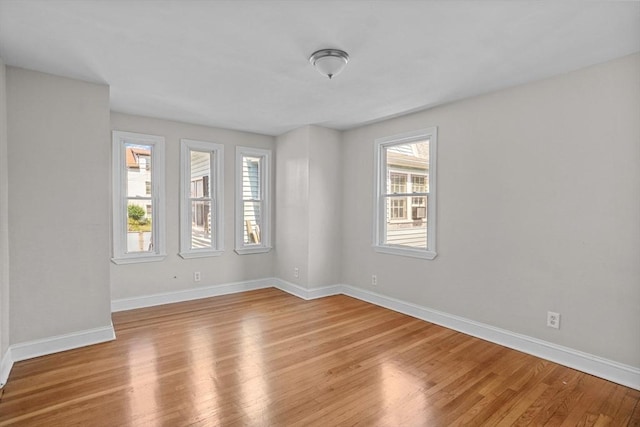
138	198
405	194
201	187
252	200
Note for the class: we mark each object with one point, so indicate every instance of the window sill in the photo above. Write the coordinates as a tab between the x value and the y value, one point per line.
138	259
249	250
408	252
200	254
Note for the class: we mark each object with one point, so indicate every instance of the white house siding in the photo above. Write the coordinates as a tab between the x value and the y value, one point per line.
251	194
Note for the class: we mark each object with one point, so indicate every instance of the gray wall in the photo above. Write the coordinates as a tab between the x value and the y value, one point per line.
308	223
4	217
175	273
292	206
538	207
58	143
325	195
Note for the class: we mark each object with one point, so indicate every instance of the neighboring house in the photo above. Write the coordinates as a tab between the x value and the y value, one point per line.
408	172
200	209
251	197
139	193
139	177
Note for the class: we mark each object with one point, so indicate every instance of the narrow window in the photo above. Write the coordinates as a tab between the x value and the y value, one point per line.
252	200
138	198
405	194
201	187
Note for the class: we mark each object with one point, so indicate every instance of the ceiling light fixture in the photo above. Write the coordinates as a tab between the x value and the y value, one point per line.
329	62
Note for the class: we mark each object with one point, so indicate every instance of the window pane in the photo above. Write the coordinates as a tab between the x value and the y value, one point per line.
419	184
402	230
397	208
138	163
404	160
201	220
200	174
251	178
252	222
397	183
139	224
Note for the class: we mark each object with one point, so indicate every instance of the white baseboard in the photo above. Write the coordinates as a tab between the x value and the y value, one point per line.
189	294
55	344
5	367
305	293
600	367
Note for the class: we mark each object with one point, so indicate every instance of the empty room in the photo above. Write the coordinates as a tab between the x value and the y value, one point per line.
319	213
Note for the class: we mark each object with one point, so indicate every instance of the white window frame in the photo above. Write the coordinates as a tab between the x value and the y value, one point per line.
241	247
119	183
379	220
216	192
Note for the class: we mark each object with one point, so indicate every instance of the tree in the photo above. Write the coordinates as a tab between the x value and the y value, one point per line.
135	212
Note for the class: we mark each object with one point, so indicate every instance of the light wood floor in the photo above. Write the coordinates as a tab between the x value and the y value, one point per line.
265	358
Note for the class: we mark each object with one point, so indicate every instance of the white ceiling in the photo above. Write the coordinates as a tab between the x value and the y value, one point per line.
244	64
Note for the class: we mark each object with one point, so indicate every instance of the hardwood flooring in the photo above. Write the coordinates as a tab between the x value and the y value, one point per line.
266	358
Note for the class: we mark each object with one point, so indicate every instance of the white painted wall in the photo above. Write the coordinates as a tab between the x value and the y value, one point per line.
58	151
175	273
292	206
308	206
4	217
538	209
325	196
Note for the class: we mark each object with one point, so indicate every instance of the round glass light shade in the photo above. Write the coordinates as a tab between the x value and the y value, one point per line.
329	62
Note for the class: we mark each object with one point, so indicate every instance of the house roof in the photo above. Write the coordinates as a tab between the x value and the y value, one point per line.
133	156
414	155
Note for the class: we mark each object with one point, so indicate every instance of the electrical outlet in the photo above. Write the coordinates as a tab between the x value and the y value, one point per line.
296	272
553	320
374	280
196	276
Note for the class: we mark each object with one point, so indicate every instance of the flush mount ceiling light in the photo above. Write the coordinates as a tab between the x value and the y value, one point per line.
329	62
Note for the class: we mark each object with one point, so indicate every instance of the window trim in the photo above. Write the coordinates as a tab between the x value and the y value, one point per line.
216	193
242	248
119	180
379	210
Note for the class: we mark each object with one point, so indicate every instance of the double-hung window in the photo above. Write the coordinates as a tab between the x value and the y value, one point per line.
138	198
201	196
405	211
253	229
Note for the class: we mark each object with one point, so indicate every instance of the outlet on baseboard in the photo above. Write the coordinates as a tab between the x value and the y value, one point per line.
553	320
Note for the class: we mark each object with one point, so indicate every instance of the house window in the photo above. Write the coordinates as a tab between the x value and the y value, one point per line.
418	204
138	191
397	205
397	208
252	199
397	183
405	194
201	196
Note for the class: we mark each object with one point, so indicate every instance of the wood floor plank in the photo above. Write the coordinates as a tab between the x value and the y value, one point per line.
268	358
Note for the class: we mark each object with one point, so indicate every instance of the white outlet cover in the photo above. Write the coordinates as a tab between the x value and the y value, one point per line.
553	320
